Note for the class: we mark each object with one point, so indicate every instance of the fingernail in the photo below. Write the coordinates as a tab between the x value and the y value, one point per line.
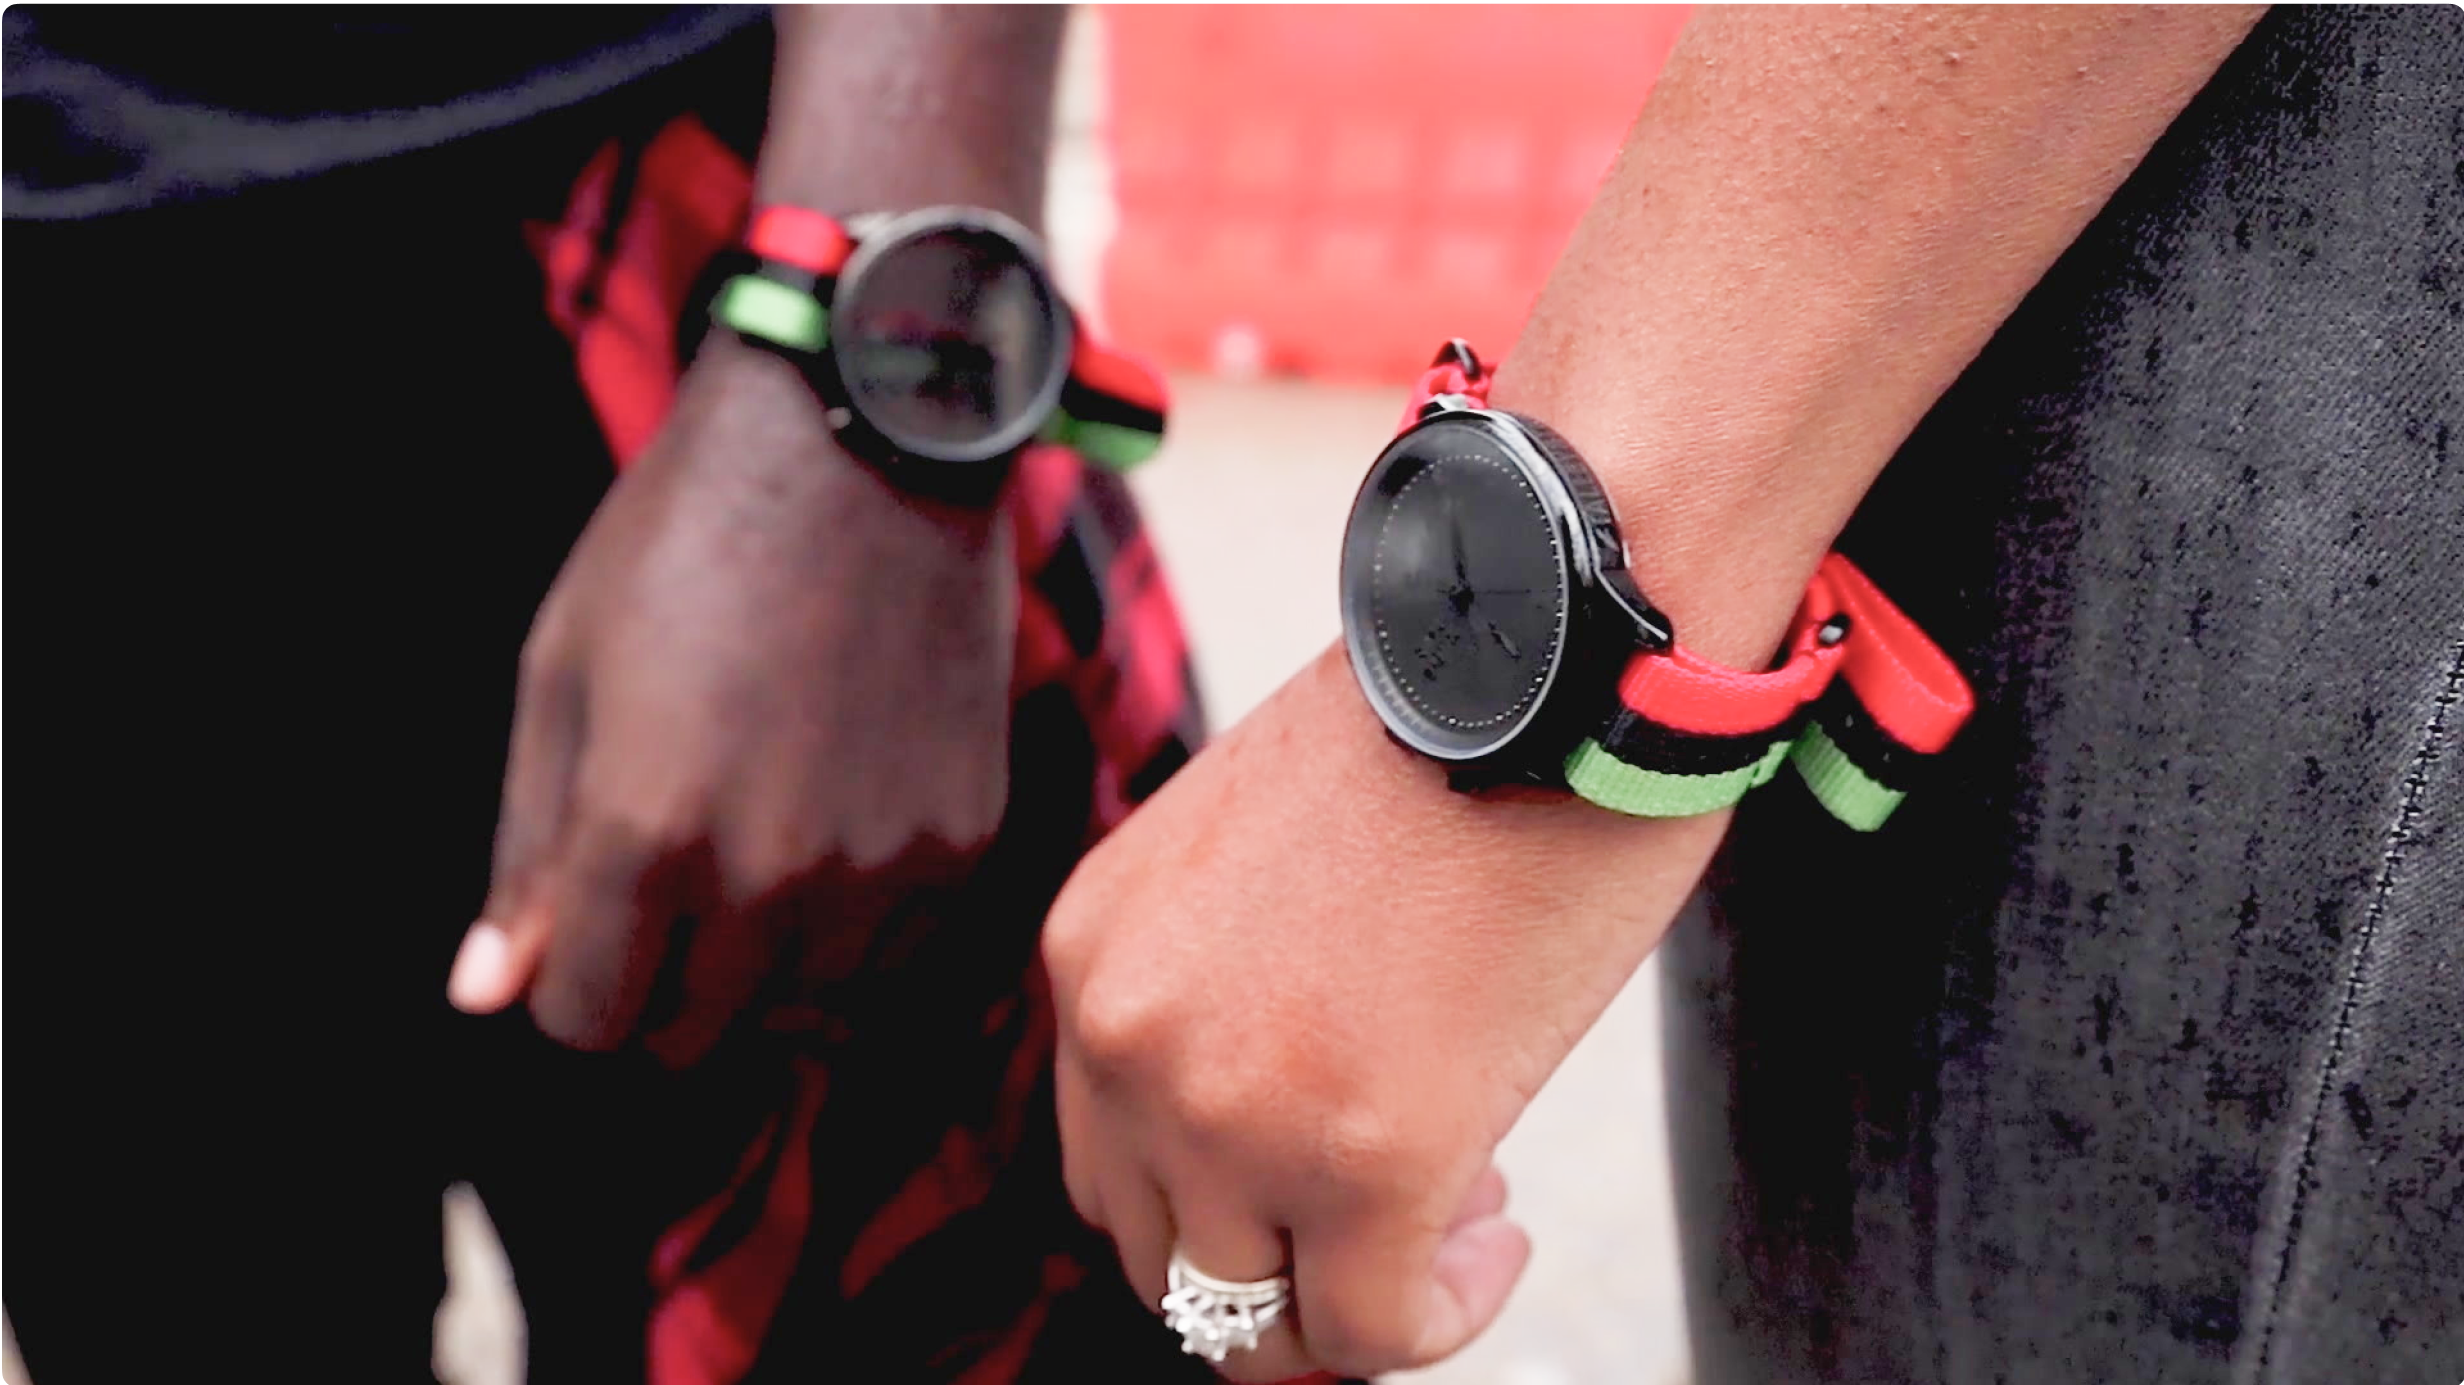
478	980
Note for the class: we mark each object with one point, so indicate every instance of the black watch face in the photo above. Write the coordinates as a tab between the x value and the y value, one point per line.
1457	589
950	343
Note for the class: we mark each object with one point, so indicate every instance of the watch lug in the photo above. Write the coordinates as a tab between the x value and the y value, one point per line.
1460	780
1477	778
1652	629
1458	353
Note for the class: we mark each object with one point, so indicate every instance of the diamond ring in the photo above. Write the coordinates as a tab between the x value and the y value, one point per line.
1217	1317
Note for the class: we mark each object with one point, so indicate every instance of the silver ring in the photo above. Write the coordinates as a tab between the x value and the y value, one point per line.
1217	1317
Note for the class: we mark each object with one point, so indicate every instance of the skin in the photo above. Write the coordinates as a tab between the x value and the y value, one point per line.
770	694
1307	989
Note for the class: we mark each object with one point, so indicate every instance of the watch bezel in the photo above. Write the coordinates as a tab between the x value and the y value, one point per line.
884	234
1602	621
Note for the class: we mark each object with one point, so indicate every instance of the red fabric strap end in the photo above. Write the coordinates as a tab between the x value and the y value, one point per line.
1911	688
1685	692
801	237
1107	370
1897	672
1902	679
1446	377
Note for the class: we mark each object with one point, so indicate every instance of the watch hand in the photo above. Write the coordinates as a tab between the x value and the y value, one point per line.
1511	651
1454	529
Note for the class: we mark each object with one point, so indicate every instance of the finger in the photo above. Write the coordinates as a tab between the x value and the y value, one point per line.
540	759
1477	1266
1486	1199
1223	1235
608	900
1400	1290
727	960
1081	1153
496	961
501	950
763	895
1140	1224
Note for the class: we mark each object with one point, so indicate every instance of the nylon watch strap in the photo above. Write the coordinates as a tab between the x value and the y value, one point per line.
1862	699
1112	405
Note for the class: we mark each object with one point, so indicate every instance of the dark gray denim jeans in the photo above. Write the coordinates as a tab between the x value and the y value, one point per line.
2134	1049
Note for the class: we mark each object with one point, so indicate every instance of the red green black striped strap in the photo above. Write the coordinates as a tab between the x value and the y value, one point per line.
1861	700
1112	406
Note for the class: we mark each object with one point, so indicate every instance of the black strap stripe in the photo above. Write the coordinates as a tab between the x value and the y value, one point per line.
1647	744
1087	404
1870	748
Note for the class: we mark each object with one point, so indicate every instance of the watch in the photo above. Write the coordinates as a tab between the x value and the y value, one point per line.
937	341
1492	623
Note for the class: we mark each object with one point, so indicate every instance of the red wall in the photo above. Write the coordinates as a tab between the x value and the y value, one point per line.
1344	187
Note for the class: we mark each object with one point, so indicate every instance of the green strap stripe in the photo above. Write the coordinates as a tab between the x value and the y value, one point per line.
1845	791
774	312
1849	793
784	316
1108	445
1612	783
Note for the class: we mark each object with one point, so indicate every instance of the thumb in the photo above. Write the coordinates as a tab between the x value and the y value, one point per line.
497	960
501	951
1477	1266
1385	1289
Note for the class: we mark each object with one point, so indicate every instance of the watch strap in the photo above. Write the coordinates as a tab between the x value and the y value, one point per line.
1112	405
1860	699
1858	702
799	237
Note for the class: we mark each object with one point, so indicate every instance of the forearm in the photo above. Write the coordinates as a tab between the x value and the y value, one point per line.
1812	231
1818	224
884	108
1819	220
881	107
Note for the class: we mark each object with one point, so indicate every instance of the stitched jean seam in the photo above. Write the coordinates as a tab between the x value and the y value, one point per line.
2416	784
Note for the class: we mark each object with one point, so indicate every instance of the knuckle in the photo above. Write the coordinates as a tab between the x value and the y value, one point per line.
543	649
1268	1106
628	839
1226	1108
1069	945
642	804
570	1013
756	870
1117	1029
1362	1145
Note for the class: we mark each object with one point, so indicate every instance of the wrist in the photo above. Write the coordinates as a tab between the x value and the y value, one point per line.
1535	853
888	181
953	105
798	463
1487	597
1717	535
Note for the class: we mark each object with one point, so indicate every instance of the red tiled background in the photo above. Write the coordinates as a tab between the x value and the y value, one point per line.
1329	191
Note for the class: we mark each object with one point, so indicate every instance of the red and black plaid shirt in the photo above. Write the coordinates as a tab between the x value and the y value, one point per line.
900	1213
